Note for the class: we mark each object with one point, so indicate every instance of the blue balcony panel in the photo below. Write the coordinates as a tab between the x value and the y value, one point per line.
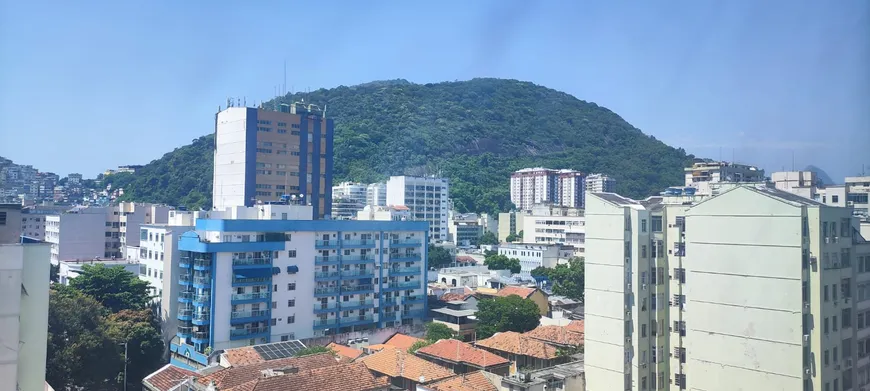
190	241
248	333
245	298
356	304
326	276
356	321
249	316
199	337
325	324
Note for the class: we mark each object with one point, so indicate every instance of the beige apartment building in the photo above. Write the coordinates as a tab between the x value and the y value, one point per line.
270	155
752	289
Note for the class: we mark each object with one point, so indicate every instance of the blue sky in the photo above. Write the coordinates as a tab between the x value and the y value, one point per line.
90	85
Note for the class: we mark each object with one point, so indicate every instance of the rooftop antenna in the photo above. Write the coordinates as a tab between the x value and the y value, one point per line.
792	159
285	77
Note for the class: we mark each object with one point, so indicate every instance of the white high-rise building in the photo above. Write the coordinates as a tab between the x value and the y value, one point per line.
350	191
751	289
82	233
548	224
531	186
24	270
600	183
570	189
376	194
426	197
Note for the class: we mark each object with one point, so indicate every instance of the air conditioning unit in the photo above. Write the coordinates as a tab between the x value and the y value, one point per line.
827	240
643	286
836	239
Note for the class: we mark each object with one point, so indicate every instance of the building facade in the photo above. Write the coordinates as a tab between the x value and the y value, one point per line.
24	286
10	223
426	198
661	307
83	233
704	173
268	273
264	155
548	224
532	256
531	186
376	194
600	183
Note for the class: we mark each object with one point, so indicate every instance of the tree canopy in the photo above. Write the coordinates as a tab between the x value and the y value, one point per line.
438	257
567	280
511	313
437	331
313	350
488	238
113	287
502	262
474	132
141	332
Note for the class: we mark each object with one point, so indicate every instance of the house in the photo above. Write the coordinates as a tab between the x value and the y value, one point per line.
561	306
577	326
230	378
461	357
534	294
523	351
341	377
247	355
458	316
403	369
564	377
346	352
402	341
464	294
472	381
166	378
557	336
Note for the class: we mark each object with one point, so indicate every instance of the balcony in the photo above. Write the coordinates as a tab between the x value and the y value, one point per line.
185	314
185	279
184	332
326	291
185	296
356	304
201	318
252	263
361	243
357	320
413	314
199	337
408	300
404	271
325	244
404	257
405	242
202	281
248	316
356	259
355	289
201	300
389	302
323	260
250	297
320	308
321	276
324	323
354	274
250	281
405	285
185	262
202	264
249	332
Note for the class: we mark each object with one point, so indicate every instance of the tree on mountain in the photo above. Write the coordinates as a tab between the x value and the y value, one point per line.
488	238
81	354
439	257
511	313
502	262
115	288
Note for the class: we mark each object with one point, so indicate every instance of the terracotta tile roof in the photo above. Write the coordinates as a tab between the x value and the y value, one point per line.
458	295
577	326
242	356
520	291
398	363
400	207
167	377
237	376
465	258
458	351
516	343
472	381
402	341
345	351
557	335
378	348
344	377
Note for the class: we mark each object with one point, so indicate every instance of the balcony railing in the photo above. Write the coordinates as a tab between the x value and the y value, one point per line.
248	331
202	280
185	313
358	273
355	304
200	335
185	279
187	295
326	259
202	263
326	243
353	258
405	285
389	302
249	280
201	316
413	314
404	257
326	274
202	298
248	314
413	299
405	270
326	307
360	242
326	290
324	322
250	296
406	242
357	288
252	261
356	319
185	331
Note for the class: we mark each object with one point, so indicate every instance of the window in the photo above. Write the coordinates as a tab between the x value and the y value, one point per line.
643	225
291	286
643	330
826	358
835	199
284	338
826	326
291	303
846	317
274	322
274	305
291	319
291	253
643	251
275	288
656	222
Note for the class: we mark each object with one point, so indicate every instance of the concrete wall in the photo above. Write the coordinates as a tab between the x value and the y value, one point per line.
230	158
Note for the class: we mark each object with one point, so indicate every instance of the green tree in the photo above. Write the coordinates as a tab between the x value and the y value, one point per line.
54	273
439	257
488	238
81	354
114	287
140	330
511	313
419	345
314	350
513	238
502	262
437	331
567	279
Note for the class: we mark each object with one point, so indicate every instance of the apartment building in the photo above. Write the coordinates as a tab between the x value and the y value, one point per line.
133	215
356	192
83	233
385	213
570	189
426	197
599	183
24	270
509	223
703	173
533	255
676	297
270	273
464	228
10	223
33	219
264	155
549	224
531	186
376	194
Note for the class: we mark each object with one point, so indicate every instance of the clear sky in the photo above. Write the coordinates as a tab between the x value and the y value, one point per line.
90	85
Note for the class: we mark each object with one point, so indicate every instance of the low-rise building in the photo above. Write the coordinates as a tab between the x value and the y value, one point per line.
464	229
404	370
534	294
564	377
461	357
523	352
533	255
10	223
548	224
472	381
458	316
509	224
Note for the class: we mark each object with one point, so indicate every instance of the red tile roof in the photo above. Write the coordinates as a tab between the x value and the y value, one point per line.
402	341
577	326
520	291
557	335
398	363
459	294
458	351
345	351
465	258
472	381
237	376
516	343
167	377
344	377
242	356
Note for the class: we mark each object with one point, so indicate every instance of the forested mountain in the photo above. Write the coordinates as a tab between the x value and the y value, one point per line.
473	132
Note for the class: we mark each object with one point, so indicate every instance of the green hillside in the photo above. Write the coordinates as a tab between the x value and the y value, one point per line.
473	132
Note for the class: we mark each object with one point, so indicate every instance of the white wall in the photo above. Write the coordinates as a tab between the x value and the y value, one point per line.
229	158
79	235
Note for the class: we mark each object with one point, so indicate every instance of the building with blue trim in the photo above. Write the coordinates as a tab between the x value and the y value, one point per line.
266	273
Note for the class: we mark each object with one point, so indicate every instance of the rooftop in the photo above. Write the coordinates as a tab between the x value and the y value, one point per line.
556	335
402	341
516	343
520	291
456	313
577	326
461	352
398	363
457	296
228	378
473	381
343	377
345	351
167	377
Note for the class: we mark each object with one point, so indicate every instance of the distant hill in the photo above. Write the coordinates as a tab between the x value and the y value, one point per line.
473	132
821	175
